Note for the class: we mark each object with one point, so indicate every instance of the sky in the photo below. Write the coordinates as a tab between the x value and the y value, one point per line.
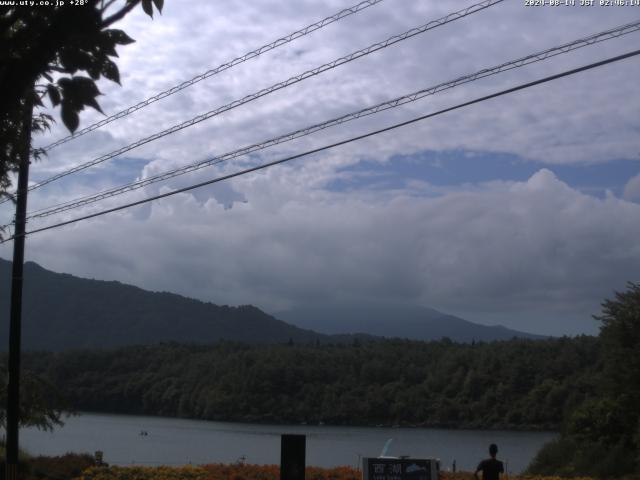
522	210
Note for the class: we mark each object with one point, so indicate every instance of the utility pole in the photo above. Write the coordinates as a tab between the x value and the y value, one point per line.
15	327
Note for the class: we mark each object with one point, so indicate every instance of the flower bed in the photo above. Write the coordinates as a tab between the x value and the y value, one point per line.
218	471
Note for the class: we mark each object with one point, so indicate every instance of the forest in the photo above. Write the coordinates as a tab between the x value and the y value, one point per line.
516	384
587	388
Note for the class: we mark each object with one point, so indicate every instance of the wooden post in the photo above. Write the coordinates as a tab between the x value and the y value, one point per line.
292	457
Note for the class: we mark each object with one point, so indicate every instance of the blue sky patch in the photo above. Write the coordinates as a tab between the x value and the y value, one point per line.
459	167
119	171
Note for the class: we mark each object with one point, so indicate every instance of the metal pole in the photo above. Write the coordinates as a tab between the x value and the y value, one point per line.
13	389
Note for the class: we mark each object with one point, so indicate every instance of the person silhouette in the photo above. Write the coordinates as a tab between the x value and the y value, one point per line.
491	467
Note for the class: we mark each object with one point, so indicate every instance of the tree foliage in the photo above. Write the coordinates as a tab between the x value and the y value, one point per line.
513	384
602	435
56	53
41	404
38	43
620	336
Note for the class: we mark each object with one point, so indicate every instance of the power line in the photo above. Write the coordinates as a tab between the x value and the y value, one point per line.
396	102
336	144
220	68
278	86
292	80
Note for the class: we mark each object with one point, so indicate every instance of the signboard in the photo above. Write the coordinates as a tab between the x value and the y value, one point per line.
399	469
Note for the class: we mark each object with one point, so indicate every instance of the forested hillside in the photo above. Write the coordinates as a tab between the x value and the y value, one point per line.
512	384
61	312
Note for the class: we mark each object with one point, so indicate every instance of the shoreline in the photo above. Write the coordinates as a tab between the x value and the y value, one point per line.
267	423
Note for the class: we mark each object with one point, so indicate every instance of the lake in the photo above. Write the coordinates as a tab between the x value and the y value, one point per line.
172	441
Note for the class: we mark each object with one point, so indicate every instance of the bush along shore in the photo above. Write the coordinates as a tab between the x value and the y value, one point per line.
82	467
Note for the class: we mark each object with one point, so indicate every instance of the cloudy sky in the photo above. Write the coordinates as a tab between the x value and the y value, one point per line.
522	210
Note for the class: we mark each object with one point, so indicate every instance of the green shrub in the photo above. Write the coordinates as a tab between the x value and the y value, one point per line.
567	457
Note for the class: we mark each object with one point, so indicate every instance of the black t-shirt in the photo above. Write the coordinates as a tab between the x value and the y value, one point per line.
491	469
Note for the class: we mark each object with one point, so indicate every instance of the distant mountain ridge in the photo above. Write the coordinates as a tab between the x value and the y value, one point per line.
413	322
61	311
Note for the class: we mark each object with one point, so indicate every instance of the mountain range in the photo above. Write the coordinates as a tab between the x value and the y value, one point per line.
404	321
61	311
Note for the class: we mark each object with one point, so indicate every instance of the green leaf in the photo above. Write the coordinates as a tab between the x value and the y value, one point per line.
37	101
64	83
84	91
110	71
78	92
107	44
120	37
69	117
159	4
85	86
74	58
54	95
147	6
94	70
69	60
41	122
93	103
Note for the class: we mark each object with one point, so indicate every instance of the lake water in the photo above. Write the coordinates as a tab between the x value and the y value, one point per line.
172	441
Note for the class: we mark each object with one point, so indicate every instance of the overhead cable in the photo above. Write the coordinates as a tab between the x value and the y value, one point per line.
278	86
389	104
336	144
220	68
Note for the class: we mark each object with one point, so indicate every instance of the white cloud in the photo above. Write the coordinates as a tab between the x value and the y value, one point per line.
504	248
587	118
632	189
496	248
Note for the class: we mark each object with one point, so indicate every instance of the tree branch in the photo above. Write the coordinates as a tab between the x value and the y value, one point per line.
104	7
119	14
